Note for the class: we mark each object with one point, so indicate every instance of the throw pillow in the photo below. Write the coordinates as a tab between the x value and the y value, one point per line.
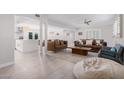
84	41
94	42
113	49
80	41
98	41
89	42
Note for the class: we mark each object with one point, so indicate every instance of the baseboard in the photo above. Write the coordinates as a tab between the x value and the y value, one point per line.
6	64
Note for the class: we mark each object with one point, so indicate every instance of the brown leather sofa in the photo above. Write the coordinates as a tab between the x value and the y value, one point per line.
95	47
56	45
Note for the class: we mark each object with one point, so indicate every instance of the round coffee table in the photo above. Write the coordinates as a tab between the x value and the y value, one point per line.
99	69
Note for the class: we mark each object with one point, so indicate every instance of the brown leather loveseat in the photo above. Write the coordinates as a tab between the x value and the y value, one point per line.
56	45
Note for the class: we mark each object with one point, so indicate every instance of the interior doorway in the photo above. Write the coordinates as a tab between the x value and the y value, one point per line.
31	34
69	36
27	34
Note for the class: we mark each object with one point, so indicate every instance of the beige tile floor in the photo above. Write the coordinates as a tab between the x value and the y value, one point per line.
37	66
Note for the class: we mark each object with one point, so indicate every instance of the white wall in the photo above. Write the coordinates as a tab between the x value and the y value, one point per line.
70	37
6	39
77	37
107	34
121	40
53	30
108	37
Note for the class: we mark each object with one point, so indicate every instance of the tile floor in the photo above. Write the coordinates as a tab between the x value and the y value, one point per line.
37	66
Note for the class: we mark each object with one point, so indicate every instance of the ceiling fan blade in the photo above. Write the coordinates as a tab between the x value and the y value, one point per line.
89	21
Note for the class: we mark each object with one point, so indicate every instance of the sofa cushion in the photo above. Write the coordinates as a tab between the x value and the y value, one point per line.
109	57
57	42
108	52
61	42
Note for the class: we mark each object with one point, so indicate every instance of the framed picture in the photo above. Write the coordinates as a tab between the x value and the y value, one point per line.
57	34
20	29
80	33
67	34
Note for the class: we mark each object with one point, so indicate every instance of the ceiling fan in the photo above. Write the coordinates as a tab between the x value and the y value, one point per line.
37	15
87	22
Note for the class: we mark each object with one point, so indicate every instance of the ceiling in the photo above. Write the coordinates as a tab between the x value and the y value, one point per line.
77	20
28	20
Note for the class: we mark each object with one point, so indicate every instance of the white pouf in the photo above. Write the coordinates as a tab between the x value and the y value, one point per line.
98	68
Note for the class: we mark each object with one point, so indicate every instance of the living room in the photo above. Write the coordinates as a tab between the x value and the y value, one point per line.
97	36
66	46
77	29
59	44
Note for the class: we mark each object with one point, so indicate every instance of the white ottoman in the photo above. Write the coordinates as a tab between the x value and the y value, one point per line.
98	68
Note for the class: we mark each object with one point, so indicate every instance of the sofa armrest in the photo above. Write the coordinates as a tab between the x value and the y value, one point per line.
50	45
121	51
66	43
120	55
104	44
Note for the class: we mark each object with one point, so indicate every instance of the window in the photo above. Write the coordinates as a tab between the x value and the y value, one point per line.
116	27
93	34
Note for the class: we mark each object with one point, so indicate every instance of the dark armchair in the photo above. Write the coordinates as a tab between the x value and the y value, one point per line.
118	56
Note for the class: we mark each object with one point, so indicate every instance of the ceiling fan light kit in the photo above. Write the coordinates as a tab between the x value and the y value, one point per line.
87	22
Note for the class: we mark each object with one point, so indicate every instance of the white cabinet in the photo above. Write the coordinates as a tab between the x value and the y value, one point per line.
27	46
